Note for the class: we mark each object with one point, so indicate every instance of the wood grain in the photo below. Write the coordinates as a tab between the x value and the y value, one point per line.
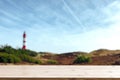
18	71
59	79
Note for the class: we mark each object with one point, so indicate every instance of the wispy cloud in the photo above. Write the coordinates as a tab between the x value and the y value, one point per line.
74	15
57	26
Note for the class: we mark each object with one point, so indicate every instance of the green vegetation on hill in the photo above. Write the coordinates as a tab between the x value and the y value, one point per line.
10	50
19	56
52	62
9	58
11	55
82	59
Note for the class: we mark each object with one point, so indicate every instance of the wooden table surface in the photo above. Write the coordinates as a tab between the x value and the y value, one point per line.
43	71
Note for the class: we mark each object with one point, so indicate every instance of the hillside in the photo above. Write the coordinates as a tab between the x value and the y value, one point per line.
9	55
98	57
104	52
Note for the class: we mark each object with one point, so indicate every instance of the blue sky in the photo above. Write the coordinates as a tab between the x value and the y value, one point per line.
61	25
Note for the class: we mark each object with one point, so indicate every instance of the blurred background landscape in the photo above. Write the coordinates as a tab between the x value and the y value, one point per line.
75	32
11	56
61	26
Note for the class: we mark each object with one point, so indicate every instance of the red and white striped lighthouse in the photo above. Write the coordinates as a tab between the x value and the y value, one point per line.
24	41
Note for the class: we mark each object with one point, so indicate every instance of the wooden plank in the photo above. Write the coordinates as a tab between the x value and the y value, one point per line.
59	71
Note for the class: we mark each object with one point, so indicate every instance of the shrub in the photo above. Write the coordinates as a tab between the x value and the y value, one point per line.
52	62
82	59
38	62
26	58
9	58
14	59
31	53
29	59
8	49
11	55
